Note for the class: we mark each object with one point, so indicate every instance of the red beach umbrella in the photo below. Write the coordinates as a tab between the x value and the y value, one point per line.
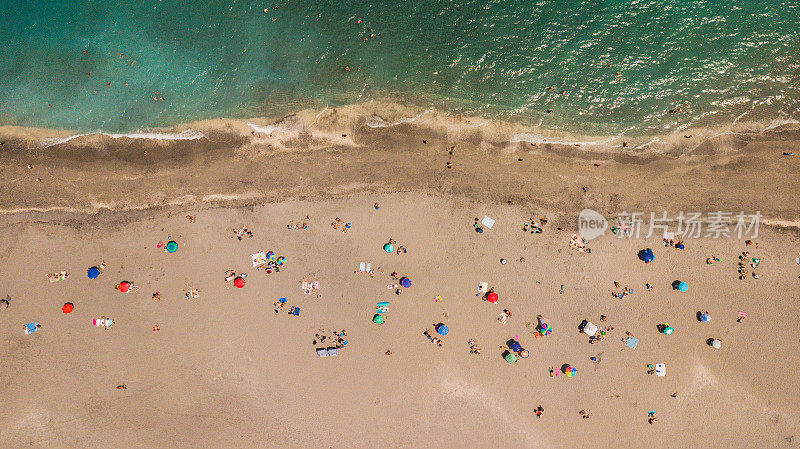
67	308
124	286
239	282
492	297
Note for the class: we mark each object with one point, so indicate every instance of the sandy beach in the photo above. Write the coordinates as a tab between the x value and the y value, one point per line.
225	370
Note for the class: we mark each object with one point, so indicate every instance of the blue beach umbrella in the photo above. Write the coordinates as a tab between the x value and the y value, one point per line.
646	255
93	273
705	318
442	329
389	248
172	246
405	282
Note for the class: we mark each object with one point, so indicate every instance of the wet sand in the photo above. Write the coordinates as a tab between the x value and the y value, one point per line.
306	156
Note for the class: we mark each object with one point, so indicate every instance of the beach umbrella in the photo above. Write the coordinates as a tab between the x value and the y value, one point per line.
3	304
716	344
705	318
524	353
377	319
668	330
405	282
238	282
571	371
442	329
67	307
124	286
680	285
646	255
270	255
389	248
492	297
281	260
172	246
93	273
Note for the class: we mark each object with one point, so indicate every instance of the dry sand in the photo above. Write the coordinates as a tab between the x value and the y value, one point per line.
225	371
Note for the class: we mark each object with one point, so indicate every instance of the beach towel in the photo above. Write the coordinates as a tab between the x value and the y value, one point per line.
742	314
54	277
362	266
488	222
369	267
631	342
30	327
590	329
296	311
322	352
103	322
259	258
333	351
661	370
483	287
310	286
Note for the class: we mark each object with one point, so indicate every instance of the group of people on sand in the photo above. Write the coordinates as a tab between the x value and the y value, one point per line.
431	338
677	244
338	338
533	226
622	293
242	232
338	222
745	268
303	225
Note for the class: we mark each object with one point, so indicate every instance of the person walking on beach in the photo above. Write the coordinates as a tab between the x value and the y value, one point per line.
539	410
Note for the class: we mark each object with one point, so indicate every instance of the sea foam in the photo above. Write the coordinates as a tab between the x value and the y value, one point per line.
188	134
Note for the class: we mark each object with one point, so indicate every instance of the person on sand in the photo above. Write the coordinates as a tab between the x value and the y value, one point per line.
585	414
539	410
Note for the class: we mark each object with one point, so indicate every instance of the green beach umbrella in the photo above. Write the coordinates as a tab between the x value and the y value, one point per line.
377	319
172	246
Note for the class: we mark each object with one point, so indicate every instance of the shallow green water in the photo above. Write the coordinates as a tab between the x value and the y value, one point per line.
722	60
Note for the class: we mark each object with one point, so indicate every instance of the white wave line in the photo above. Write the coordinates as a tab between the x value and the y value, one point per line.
188	134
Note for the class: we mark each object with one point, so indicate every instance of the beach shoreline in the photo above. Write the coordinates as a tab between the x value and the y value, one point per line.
336	151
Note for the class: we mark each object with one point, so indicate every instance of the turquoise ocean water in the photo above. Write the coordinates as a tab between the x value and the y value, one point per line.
603	67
